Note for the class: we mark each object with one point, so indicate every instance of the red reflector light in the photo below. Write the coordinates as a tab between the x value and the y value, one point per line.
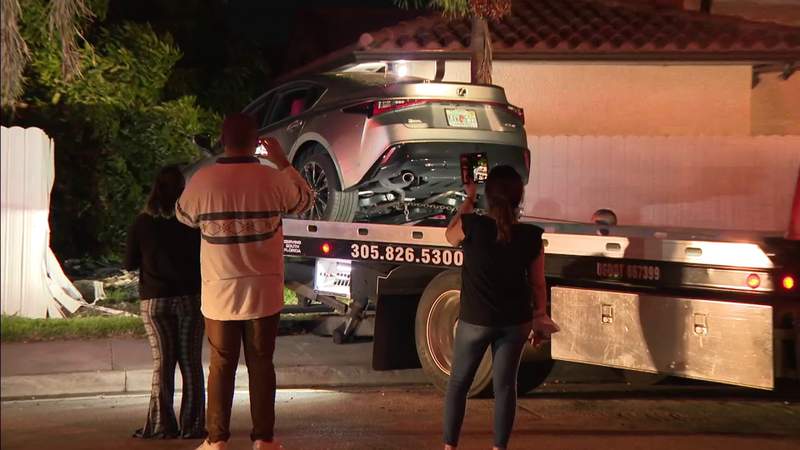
788	282
388	155
753	281
326	248
519	112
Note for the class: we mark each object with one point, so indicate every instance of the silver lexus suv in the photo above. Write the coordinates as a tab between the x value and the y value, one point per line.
380	148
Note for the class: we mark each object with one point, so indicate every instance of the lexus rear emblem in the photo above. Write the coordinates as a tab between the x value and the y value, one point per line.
461	92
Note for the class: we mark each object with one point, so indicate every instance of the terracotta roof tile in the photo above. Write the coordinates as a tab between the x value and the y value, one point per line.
594	29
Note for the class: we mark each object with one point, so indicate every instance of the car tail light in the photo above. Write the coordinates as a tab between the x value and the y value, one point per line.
753	281
788	282
378	107
519	112
383	106
326	248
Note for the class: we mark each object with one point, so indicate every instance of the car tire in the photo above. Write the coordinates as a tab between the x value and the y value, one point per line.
331	202
437	314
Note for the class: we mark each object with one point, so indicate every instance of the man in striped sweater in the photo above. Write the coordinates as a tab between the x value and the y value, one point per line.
237	203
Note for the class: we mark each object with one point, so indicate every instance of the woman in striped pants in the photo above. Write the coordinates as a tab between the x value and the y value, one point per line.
167	254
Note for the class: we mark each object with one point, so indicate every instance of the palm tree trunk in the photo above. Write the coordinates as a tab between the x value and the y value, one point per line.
481	48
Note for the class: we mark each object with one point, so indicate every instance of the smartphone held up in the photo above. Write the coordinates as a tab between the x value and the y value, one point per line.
474	168
262	147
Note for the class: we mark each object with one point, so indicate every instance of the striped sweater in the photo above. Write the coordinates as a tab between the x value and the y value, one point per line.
238	204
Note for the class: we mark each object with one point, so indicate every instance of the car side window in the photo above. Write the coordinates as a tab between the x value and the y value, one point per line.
293	102
260	110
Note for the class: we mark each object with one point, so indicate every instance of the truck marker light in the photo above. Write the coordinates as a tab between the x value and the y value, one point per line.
326	248
788	282
753	281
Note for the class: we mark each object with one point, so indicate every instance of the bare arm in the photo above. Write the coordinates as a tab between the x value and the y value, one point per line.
455	231
538	285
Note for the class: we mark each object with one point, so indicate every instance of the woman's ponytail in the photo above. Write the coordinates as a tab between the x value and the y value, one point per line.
504	191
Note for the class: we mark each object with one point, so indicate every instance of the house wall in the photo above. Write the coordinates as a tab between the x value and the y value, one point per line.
607	99
638	140
776	105
728	182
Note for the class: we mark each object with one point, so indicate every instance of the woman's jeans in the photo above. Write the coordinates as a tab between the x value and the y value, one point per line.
471	343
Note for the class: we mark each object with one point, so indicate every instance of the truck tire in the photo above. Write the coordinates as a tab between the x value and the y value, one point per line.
534	368
437	314
331	202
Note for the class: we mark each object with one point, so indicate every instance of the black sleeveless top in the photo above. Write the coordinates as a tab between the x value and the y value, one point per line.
495	290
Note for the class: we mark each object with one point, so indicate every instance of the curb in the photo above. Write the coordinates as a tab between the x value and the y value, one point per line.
128	381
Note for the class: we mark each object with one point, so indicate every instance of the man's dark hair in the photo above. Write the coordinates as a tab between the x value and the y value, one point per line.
165	193
239	131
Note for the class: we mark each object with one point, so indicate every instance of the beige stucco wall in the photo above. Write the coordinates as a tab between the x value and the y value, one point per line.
776	105
728	182
642	100
660	145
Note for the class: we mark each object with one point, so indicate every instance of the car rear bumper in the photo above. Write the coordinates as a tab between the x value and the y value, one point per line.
423	169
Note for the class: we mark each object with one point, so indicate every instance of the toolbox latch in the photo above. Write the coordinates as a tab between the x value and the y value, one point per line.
607	314
700	324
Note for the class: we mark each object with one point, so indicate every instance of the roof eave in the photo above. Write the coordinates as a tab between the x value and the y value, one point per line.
678	57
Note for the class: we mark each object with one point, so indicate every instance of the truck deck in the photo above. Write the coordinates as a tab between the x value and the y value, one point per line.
705	304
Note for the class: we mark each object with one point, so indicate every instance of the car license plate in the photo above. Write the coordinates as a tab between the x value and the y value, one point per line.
461	118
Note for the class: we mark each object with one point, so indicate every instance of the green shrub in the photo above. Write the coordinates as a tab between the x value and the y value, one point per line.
113	126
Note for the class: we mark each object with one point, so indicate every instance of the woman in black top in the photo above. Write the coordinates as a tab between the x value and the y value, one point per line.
167	254
503	300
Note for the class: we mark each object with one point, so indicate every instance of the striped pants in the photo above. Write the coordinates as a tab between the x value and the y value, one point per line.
174	327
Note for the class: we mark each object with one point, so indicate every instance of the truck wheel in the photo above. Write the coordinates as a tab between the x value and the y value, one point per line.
534	369
435	327
331	203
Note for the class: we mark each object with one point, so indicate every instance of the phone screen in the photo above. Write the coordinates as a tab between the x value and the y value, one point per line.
474	168
261	147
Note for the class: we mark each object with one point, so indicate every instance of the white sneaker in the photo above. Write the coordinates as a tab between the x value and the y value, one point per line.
264	445
221	445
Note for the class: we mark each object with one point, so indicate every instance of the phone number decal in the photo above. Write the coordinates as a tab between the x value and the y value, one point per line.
400	253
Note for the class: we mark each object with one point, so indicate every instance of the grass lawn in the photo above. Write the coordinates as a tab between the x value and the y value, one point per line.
19	329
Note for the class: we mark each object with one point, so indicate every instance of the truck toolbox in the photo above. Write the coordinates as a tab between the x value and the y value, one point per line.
712	340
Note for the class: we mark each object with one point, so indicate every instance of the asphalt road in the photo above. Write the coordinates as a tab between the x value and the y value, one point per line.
562	417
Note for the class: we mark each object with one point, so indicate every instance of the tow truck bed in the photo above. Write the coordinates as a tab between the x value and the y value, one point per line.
694	303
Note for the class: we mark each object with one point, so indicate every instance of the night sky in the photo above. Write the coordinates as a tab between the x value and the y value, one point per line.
254	41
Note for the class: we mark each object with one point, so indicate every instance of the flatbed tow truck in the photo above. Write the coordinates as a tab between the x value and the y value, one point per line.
701	304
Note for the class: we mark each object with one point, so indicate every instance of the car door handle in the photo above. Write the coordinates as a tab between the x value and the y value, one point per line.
294	126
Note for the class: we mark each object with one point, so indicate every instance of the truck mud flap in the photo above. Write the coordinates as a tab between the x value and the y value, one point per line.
709	340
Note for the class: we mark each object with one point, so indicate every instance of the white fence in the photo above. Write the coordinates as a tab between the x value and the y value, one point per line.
32	283
737	182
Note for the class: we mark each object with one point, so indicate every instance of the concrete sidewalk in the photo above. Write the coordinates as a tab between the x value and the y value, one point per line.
107	366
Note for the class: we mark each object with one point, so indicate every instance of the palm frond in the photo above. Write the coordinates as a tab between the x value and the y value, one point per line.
64	22
13	55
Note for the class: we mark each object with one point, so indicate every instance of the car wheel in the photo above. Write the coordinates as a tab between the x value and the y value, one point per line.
331	203
435	329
